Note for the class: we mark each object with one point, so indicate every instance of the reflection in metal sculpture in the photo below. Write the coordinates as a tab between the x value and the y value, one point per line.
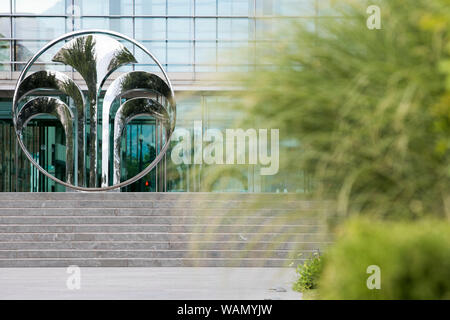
95	55
57	108
128	111
137	82
60	83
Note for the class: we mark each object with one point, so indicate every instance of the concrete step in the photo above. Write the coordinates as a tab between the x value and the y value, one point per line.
162	220
153	236
155	204
152	245
139	262
154	196
157	228
80	212
154	254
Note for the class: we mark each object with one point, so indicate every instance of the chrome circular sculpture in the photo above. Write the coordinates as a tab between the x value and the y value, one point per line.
95	55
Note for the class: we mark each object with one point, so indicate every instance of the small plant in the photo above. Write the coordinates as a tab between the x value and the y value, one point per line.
308	274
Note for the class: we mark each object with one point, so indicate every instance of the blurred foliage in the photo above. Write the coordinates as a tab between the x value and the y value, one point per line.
370	109
414	259
308	274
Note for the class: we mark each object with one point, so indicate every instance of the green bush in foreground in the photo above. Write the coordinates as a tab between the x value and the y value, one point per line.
414	260
369	109
308	274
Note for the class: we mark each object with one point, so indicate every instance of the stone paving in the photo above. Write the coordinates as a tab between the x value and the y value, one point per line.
150	283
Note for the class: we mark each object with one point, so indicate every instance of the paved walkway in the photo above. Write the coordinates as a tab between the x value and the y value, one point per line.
149	283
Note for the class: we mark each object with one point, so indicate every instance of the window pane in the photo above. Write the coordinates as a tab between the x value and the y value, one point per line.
157	48
328	8
5	28
294	7
122	25
230	57
155	7
111	7
205	56
232	28
235	7
4	55
39	28
286	7
188	107
26	49
180	29
179	56
205	29
179	7
263	8
150	28
263	27
4	7
205	7
4	50
40	7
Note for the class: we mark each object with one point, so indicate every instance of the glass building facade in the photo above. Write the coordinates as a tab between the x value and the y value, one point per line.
193	39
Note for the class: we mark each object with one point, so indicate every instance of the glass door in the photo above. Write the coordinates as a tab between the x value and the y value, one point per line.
141	142
45	140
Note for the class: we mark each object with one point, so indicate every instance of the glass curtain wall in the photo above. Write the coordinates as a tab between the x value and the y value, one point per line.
191	38
185	35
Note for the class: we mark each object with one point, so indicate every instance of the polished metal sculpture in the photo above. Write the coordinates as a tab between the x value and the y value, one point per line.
59	82
95	55
145	84
57	108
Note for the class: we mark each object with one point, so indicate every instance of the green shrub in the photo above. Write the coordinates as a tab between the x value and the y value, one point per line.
414	259
308	274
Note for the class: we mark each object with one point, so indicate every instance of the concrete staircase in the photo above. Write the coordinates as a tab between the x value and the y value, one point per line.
157	229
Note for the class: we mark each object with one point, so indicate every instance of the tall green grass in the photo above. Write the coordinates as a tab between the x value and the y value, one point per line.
369	108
